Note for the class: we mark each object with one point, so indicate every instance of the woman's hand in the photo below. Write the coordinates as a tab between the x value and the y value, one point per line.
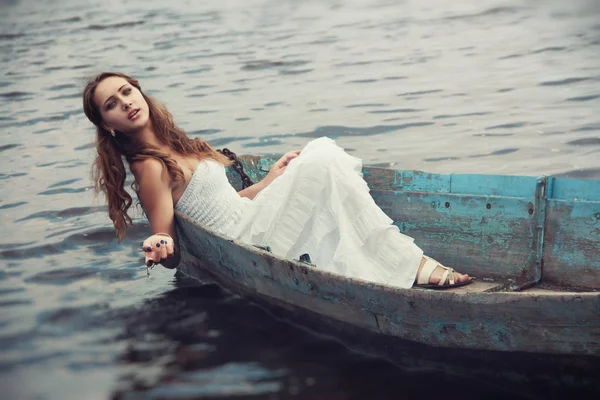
276	170
158	248
280	165
285	159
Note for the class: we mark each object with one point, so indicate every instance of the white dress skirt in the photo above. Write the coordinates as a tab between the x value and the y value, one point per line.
320	205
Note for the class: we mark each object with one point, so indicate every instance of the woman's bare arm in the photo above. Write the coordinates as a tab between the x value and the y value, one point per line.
251	191
156	198
276	170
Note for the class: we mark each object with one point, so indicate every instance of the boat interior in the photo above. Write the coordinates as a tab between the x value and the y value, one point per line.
512	233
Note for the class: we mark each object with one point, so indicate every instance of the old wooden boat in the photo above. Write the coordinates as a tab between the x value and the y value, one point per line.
532	242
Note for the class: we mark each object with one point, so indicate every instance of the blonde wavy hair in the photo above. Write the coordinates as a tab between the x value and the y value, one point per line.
108	170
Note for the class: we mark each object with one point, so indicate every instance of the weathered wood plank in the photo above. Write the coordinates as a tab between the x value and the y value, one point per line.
485	236
419	181
494	185
379	178
575	189
572	243
487	185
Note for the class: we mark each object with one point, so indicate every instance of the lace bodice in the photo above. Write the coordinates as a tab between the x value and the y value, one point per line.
210	199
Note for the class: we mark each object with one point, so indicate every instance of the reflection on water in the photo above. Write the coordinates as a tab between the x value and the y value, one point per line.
508	87
234	348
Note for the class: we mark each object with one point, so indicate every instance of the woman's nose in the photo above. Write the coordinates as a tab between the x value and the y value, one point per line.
126	106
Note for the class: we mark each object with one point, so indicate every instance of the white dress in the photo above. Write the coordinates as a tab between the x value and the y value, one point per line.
320	205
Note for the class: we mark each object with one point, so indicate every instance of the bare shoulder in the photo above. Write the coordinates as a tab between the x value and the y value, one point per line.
149	168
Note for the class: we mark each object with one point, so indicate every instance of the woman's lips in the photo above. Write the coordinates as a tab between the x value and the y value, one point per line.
133	114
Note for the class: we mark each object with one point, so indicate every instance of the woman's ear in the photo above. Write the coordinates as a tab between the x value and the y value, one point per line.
109	129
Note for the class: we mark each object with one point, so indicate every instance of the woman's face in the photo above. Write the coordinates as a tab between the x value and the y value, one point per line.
122	106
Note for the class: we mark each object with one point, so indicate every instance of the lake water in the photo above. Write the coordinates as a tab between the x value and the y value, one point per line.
507	87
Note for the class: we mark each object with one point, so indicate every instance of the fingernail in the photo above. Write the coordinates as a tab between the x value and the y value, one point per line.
148	248
157	244
162	241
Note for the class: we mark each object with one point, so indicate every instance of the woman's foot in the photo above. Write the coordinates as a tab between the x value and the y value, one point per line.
433	275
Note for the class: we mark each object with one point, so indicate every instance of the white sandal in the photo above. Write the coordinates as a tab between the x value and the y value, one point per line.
428	268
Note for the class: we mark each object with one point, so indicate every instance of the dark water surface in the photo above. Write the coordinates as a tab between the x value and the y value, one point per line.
508	87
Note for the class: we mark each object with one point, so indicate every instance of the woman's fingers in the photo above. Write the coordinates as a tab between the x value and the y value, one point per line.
156	255
160	250
167	247
293	155
157	248
284	161
163	252
170	249
280	171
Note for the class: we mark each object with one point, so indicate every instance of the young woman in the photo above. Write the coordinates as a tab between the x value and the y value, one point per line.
312	201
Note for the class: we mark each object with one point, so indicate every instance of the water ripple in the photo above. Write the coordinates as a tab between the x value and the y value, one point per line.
15	303
495	153
16	95
363	81
267	64
64	190
584	98
562	82
507	126
12	205
591	141
421	92
203	132
472	114
395	111
582	173
63	183
9	146
294	71
64	213
98	27
486	13
340	131
367	105
549	49
591	127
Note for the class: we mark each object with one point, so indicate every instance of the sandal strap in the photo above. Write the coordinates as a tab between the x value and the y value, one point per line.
448	272
427	270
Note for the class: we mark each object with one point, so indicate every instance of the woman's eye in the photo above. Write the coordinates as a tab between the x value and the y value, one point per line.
127	91
110	105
